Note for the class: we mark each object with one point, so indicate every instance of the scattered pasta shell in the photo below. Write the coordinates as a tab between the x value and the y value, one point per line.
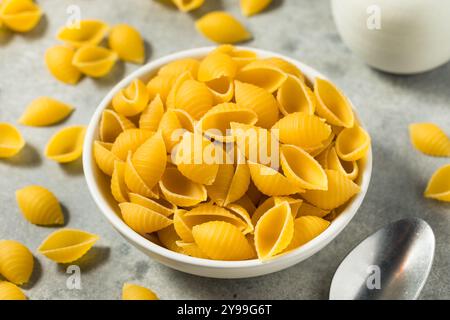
135	292
131	100
176	68
307	228
141	219
16	262
89	32
94	61
118	186
161	205
39	206
267	77
274	231
152	115
251	7
128	141
45	111
309	210
104	158
59	62
340	190
181	191
295	96
222	27
188	5
135	183
20	15
349	168
67	245
127	42
216	65
222	241
11	141
302	169
113	124
194	97
66	145
332	104
160	85
430	139
9	291
260	101
439	185
271	202
352	143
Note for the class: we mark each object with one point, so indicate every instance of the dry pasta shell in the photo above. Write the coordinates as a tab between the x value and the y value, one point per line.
349	168
135	292
271	202
104	158
45	111
194	97
332	104
39	206
67	245
243	214
222	89
160	85
191	249
253	193
281	64
309	210
315	151
170	101
118	186
20	15
267	77
246	203
16	262
171	129
439	185
221	240
352	143
152	115
59	62
430	139
89	32
131	100
112	124
216	65
169	237
176	68
251	7
136	184
188	5
161	205
94	61
340	190
260	101
11	141
221	27
9	291
66	145
129	141
127	42
295	96
141	219
240	56
307	228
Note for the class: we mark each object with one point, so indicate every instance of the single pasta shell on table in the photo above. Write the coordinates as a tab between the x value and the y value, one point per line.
303	130
161	205
152	115
119	188
332	104
66	145
260	101
307	228
271	182
20	15
141	219
11	141
340	190
309	210
112	124
221	27
104	158
191	249
176	68
127	42
281	64
429	139
222	89
128	141
216	123
39	206
59	62
274	231
16	262
94	61
136	184
439	185
240	56
160	85
9	291
251	7
188	5
67	245
295	96
45	111
131	100
216	65
181	191
194	97
221	240
267	77
271	202
88	32
169	237
170	101
352	143
134	292
349	168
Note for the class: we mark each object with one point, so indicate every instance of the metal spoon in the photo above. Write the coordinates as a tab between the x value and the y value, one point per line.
393	263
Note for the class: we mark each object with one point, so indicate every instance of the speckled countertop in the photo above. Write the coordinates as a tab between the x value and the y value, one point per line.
302	29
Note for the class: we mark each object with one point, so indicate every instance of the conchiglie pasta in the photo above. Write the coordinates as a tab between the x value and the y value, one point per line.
11	141
217	65
221	27
349	168
240	56
113	124
127	42
178	67
172	127
131	100
160	85
135	183
222	89
152	115
283	65
194	97
45	111
59	62
439	185
135	292
66	145
307	228
267	77
295	96
161	205
16	262
39	206
309	210
20	15
169	238
9	291
141	219
271	202
94	61
104	158
89	32
352	143
170	101
430	139
191	249
188	5
67	245
128	141
251	7
118	186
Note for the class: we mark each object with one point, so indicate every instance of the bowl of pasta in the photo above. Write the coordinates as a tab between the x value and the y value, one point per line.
227	162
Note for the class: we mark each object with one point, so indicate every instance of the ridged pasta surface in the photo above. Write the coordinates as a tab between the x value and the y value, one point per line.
9	291
45	111
16	261
127	42
439	185
430	139
135	292
11	140
221	27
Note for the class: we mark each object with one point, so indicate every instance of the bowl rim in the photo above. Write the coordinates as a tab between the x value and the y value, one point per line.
298	254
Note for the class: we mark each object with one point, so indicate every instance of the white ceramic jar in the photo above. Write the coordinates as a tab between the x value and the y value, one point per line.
397	36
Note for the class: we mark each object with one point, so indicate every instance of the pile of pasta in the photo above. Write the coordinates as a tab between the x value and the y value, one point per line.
242	208
19	15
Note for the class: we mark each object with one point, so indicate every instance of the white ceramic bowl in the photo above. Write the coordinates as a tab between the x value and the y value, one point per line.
100	190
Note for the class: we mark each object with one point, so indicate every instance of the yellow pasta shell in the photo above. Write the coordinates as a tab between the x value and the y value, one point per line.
216	65
9	291
16	262
94	61
267	77
281	64
118	186
352	143
59	62
152	115
188	5
222	241
254	194
39	206
221	27
67	245
11	141
135	292
45	111
66	145
89	32
439	185
127	42
332	104
194	97
169	238
305	229
161	206
340	190
241	57
295	96
176	68
141	219
191	249
246	203
113	124
429	139
271	202
171	129
135	183
129	141
160	85
243	214
170	101
251	7
222	89
309	210
104	158
349	168
20	15
131	100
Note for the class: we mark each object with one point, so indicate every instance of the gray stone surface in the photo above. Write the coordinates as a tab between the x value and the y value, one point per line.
302	29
